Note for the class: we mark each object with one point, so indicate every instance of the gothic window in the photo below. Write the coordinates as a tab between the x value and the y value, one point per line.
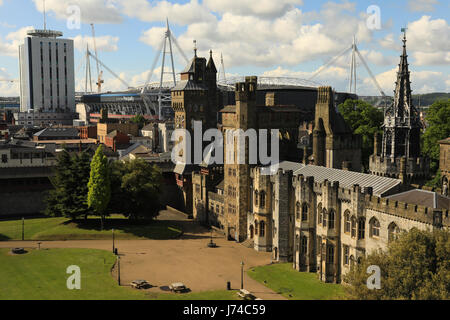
297	210
330	254
353	226
262	201
374	227
256	227
324	218
304	245
319	213
319	244
361	228
393	231
256	197
331	219
347	221
262	227
304	212
346	251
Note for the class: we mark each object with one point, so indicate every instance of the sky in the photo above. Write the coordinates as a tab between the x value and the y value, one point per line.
282	38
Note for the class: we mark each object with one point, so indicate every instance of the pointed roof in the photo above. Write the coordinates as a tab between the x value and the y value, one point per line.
211	66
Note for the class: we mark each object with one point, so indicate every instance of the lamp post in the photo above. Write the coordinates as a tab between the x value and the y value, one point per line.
242	274
118	269
23	228
113	239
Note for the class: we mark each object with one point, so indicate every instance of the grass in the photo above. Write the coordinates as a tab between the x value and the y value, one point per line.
283	279
65	229
41	275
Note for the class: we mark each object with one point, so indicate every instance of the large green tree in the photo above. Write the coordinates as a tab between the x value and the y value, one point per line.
415	266
365	120
69	196
135	189
99	186
438	128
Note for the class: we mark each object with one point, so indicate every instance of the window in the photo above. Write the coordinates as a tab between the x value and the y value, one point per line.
262	201
374	227
319	213
256	227
256	197
361	228
324	218
304	212
393	231
330	254
297	210
304	244
262	226
353	227
331	220
347	221
346	251
4	158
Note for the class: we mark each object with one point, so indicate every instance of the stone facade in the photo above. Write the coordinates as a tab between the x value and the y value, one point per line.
444	165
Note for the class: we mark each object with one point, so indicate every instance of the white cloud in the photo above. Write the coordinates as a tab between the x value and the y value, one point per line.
92	11
8	89
422	5
181	14
10	46
104	43
260	8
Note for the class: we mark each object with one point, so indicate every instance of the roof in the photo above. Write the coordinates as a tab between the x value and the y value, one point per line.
445	141
346	179
188	85
423	198
221	185
229	108
57	132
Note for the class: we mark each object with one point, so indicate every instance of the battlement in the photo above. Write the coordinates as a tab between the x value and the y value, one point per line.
407	210
325	95
246	90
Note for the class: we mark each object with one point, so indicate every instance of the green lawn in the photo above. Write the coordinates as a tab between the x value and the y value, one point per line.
64	229
41	274
283	279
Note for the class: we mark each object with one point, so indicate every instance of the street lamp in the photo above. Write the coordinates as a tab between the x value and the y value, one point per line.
118	270
242	274
113	239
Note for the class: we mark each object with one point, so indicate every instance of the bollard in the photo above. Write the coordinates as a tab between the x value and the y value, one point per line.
228	285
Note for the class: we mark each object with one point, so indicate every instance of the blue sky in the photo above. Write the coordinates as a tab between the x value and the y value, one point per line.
261	37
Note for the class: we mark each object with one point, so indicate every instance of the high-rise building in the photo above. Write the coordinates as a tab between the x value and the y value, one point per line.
47	81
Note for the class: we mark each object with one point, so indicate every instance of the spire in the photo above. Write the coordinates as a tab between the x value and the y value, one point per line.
211	66
402	94
195	48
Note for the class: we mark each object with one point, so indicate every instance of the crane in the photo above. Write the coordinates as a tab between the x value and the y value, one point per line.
99	72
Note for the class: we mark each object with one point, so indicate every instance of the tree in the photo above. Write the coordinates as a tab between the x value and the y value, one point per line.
365	120
99	186
136	188
69	196
139	119
438	128
415	266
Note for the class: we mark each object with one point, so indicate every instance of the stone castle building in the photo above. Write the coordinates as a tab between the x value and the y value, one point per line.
399	153
444	165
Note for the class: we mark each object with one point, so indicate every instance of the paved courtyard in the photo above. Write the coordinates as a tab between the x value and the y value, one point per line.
187	259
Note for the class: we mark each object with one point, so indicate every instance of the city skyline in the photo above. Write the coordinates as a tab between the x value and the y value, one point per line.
286	38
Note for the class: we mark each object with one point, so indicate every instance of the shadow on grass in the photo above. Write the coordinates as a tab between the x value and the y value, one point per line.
4	238
143	228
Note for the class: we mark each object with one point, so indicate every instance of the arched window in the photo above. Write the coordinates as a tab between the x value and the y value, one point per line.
297	210
304	245
352	260
347	224
331	219
353	226
374	227
393	231
256	197
262	226
304	212
361	228
324	218
262	201
319	213
330	253
256	227
346	252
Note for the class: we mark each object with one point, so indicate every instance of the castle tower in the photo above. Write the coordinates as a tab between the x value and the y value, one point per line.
401	133
324	111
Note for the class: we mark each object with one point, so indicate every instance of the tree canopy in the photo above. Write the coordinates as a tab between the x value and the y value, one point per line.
69	196
365	120
438	128
415	266
135	188
139	119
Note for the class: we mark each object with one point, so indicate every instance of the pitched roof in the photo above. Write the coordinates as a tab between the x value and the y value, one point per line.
188	85
346	179
57	132
423	198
